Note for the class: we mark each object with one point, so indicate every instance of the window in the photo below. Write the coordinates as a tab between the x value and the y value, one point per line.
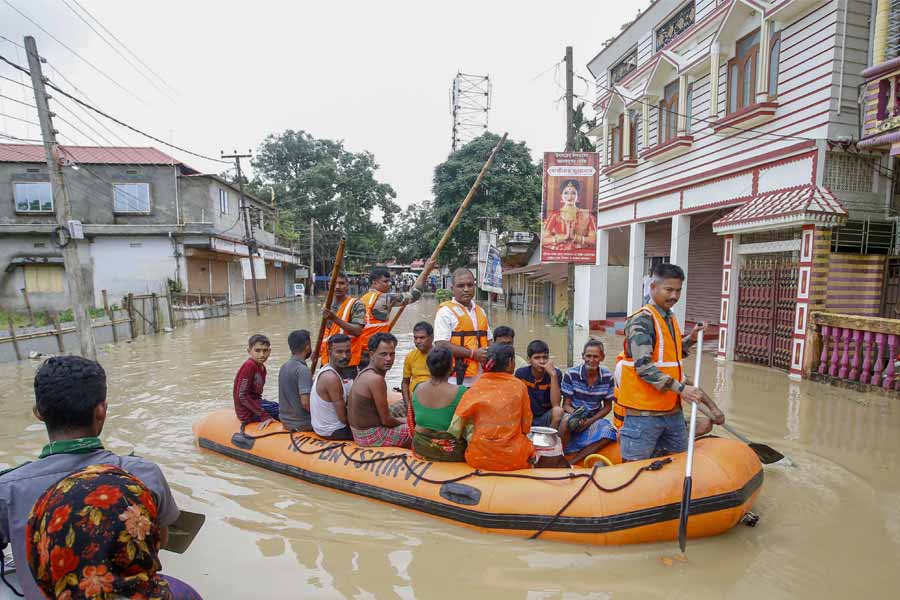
131	197
621	69
774	55
34	197
667	126
44	278
223	202
633	138
742	73
677	23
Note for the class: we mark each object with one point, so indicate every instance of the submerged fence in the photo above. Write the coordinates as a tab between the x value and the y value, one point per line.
140	314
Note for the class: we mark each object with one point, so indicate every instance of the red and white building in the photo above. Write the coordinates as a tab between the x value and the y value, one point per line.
726	138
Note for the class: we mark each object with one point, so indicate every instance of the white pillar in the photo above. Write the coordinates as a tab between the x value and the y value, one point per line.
714	80
645	123
678	254
762	67
605	146
682	105
626	136
600	278
635	267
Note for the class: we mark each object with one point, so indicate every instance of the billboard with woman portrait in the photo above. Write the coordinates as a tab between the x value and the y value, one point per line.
569	209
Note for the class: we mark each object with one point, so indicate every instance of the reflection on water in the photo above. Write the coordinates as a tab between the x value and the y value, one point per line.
830	527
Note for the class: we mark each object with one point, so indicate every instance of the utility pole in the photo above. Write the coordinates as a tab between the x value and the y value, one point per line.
312	258
570	147
61	205
248	226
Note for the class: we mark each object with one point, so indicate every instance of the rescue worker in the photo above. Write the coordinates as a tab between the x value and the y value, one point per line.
379	301
651	374
462	326
346	315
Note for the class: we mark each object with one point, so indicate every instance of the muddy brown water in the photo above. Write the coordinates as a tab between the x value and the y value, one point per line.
829	528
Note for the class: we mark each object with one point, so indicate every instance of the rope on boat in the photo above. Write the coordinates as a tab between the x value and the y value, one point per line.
404	459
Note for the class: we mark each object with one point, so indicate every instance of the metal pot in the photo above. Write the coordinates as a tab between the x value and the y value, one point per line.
544	438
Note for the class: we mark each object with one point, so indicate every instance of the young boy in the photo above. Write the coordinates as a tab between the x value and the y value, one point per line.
249	382
543	381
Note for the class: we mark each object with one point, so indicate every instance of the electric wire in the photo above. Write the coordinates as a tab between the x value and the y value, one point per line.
79	56
121	43
117	51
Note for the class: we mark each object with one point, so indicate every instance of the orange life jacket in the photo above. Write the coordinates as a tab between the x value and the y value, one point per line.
468	335
343	313
373	325
634	392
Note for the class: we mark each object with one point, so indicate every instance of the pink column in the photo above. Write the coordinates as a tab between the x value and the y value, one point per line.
835	356
879	360
823	358
866	374
889	371
854	365
845	354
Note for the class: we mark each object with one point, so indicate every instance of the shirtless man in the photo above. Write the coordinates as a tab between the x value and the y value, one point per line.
370	415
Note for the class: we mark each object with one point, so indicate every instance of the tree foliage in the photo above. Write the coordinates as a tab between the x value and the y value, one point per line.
510	194
582	125
320	179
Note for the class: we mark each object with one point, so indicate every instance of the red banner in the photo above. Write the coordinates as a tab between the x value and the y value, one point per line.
569	210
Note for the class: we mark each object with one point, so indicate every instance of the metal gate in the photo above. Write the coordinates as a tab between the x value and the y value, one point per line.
890	299
767	298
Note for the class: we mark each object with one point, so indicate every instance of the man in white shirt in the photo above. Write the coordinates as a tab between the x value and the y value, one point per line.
461	326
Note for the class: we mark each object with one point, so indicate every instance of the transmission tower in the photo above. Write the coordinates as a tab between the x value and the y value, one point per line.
470	103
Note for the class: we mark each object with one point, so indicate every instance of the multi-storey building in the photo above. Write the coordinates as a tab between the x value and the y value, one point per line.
147	217
727	138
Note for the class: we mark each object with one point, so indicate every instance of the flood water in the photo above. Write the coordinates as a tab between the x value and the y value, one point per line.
829	527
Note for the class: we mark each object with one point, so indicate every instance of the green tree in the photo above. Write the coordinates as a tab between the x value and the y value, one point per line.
582	125
510	194
414	233
320	179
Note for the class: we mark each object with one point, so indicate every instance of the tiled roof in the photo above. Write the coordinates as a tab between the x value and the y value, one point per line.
783	207
89	155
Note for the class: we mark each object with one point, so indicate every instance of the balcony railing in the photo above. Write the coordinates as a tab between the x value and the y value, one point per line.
853	351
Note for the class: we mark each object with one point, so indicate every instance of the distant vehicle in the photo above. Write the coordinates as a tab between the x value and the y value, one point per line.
300	289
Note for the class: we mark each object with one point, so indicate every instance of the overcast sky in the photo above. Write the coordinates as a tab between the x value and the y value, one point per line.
375	74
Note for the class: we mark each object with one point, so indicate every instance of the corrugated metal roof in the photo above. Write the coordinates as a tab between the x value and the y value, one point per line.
89	155
810	201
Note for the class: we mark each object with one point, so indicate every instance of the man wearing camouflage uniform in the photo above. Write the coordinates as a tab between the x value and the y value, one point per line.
650	374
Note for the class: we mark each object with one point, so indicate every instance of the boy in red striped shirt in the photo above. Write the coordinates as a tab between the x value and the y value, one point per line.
249	382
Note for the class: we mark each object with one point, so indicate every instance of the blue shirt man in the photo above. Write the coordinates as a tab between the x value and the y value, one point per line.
588	390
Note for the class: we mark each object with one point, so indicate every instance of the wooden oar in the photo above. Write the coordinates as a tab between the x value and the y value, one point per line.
689	463
420	280
767	455
183	531
329	298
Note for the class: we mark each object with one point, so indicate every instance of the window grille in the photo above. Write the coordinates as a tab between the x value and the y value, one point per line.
848	172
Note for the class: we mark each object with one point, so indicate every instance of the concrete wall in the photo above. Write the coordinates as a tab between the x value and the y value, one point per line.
91	193
200	203
855	284
135	264
12	281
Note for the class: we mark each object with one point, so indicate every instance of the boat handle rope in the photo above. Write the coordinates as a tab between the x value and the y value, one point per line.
656	465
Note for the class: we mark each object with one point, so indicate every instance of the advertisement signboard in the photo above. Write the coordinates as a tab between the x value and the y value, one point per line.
569	208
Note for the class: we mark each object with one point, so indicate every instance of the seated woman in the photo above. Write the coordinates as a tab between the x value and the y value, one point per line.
94	534
494	415
433	403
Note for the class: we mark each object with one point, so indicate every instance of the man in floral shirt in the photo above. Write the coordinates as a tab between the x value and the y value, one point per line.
70	398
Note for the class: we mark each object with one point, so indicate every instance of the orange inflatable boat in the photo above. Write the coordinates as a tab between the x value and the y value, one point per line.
620	504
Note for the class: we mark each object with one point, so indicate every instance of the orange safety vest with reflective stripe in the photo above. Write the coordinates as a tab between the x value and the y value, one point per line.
372	325
634	392
343	313
468	335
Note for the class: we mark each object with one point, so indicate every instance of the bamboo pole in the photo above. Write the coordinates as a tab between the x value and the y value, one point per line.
110	316
423	276
28	306
328	300
15	342
171	310
129	301
54	316
157	314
